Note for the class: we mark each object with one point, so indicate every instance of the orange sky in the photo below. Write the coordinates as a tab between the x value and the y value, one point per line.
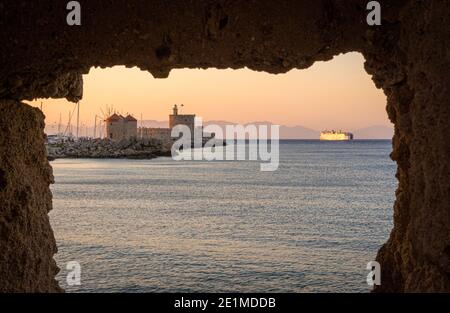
336	94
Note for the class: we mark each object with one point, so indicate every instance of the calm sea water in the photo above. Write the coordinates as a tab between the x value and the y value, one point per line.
195	226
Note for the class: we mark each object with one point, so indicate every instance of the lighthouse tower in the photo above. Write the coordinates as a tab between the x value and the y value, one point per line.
181	119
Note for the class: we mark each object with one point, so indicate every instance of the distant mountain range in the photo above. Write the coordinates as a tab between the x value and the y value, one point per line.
301	132
286	132
154	124
298	132
374	132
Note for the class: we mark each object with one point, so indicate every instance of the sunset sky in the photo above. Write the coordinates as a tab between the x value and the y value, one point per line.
336	94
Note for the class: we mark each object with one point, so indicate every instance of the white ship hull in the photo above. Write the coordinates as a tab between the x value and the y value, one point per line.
336	136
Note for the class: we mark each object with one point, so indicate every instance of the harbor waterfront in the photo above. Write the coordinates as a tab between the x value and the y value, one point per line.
131	148
224	226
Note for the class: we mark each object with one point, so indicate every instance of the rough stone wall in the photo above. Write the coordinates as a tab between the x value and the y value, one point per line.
162	134
410	61
115	130
408	56
160	35
27	243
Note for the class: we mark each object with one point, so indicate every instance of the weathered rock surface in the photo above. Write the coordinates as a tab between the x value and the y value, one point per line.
408	56
27	243
410	61
105	148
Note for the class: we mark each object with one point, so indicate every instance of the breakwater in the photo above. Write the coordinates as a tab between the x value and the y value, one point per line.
107	149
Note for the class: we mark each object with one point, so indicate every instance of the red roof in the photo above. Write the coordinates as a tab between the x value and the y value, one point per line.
130	118
114	118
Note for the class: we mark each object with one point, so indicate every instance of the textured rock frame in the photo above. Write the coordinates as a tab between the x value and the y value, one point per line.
408	57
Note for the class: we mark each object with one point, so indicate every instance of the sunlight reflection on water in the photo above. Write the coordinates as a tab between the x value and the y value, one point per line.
160	225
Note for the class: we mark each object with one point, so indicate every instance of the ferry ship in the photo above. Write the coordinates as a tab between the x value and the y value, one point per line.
335	135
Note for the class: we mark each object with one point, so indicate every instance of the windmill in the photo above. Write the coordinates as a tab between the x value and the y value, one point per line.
109	110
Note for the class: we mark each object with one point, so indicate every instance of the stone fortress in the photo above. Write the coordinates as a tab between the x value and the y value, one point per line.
119	127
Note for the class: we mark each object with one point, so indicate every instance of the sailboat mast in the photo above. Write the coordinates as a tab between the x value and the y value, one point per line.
78	118
59	125
95	125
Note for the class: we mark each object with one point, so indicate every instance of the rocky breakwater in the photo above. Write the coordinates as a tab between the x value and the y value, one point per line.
108	149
